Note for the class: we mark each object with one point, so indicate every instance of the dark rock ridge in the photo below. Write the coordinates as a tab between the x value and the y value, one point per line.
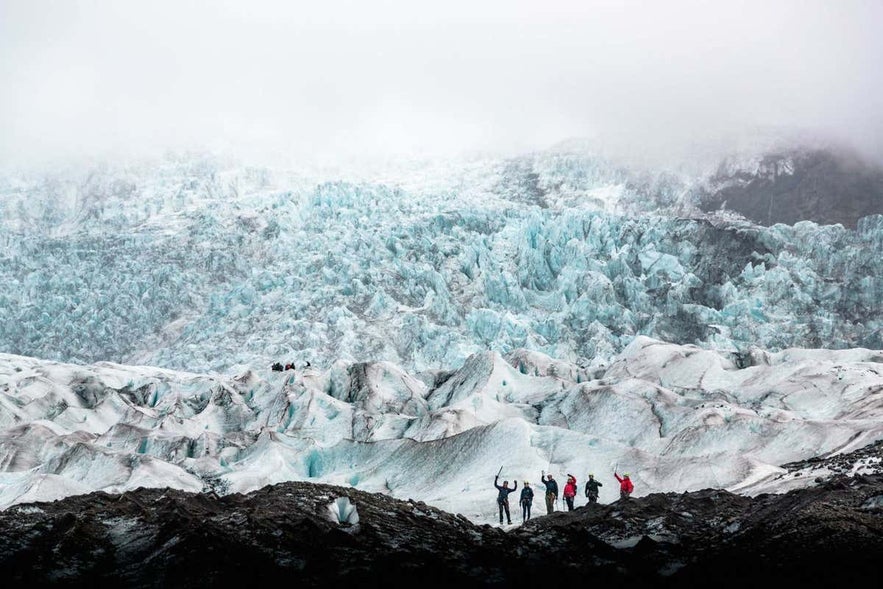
828	535
826	186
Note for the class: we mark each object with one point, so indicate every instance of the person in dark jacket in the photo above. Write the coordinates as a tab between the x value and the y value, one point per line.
625	485
592	489
551	491
526	501
503	497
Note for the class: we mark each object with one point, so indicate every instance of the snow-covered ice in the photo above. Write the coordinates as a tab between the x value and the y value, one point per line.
677	417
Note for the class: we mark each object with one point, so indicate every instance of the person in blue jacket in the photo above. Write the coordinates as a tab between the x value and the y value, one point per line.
526	501
503	497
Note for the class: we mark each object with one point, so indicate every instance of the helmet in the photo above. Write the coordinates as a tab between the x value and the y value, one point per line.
591	474
625	474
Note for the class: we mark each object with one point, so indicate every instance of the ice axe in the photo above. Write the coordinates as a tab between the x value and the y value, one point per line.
499	471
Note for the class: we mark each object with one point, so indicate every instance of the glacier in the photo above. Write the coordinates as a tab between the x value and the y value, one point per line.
203	264
557	311
677	417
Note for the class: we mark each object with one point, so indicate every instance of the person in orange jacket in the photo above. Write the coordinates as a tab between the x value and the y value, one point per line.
625	485
570	491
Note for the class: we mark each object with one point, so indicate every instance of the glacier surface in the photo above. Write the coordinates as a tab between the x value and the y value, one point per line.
676	417
206	265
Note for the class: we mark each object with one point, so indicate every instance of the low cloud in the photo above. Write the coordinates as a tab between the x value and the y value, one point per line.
393	78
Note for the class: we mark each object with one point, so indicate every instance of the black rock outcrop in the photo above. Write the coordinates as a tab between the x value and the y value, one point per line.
827	535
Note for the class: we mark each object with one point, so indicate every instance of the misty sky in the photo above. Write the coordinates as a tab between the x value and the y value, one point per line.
407	77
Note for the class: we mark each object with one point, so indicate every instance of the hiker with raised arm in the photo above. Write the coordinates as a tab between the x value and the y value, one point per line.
526	501
503	498
551	490
592	489
570	491
625	485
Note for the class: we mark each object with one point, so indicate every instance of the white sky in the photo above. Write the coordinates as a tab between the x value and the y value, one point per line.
393	77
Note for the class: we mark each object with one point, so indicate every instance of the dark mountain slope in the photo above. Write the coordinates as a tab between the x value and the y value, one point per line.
823	185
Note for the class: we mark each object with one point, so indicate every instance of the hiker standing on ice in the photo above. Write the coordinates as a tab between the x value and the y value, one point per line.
503	497
551	491
570	491
592	489
526	501
625	485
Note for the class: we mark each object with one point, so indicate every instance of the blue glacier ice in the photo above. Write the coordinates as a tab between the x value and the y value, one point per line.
203	264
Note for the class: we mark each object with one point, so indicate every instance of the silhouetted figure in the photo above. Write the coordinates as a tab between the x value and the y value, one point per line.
526	501
592	489
551	491
503	498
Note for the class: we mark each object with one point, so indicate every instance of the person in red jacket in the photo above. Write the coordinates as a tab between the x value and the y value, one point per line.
625	485
570	491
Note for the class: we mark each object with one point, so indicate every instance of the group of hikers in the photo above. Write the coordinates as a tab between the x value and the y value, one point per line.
526	499
278	367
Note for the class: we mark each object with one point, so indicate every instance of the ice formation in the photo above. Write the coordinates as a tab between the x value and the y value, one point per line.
202	265
676	417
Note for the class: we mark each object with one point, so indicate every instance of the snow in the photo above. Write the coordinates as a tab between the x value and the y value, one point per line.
676	417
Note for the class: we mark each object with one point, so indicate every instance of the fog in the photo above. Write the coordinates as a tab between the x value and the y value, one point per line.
347	79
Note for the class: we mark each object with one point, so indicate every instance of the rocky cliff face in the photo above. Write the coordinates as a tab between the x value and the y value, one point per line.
300	534
820	185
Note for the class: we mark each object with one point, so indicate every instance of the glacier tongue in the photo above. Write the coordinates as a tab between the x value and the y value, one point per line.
677	417
205	265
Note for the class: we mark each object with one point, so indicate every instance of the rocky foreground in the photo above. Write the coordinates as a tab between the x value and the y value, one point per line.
827	535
